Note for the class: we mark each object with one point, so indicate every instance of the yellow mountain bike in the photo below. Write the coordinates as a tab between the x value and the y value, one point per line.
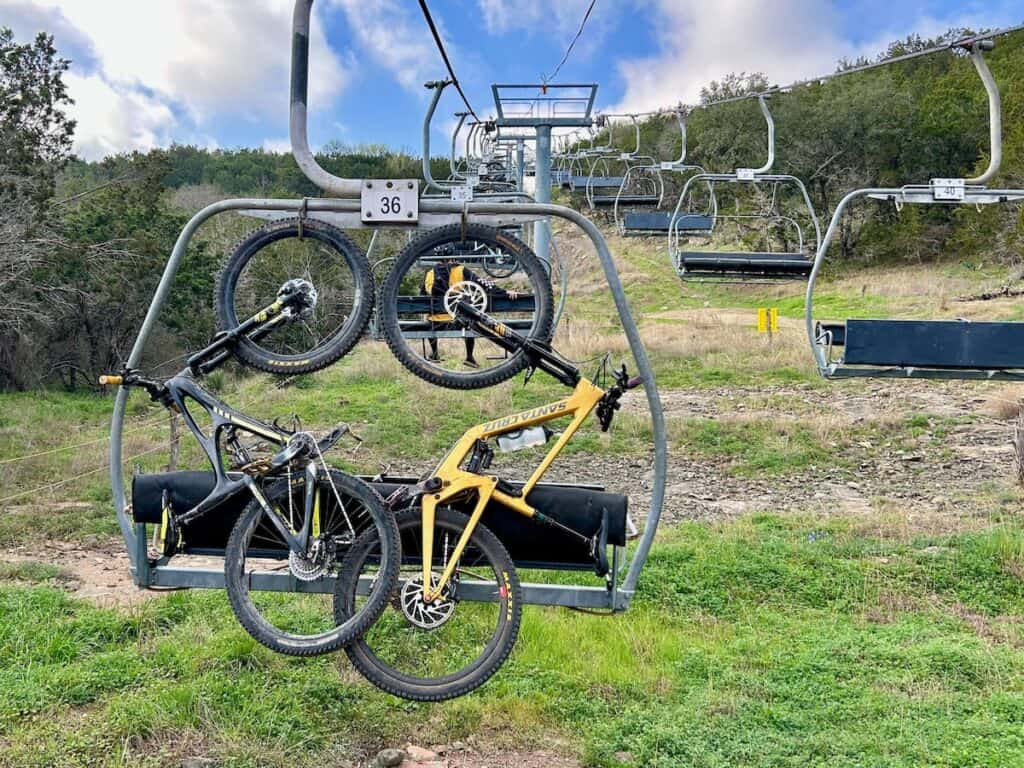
457	605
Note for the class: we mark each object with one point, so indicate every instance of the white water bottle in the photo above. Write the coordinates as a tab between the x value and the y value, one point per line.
522	438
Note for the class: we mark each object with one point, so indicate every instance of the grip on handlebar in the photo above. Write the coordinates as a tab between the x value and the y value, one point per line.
635	382
111	381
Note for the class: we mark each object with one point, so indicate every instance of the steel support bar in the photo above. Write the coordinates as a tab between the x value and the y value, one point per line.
542	189
567	596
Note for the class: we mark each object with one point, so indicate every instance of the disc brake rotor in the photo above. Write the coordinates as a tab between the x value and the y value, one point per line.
311	566
468	291
421	614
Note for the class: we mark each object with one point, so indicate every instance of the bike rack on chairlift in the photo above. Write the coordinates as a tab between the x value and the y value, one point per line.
641	223
344	206
926	349
743	266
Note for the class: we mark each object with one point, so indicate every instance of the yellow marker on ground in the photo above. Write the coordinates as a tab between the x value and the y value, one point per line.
767	320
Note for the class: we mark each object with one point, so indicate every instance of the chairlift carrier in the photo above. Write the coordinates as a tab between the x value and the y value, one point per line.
345	204
741	266
928	349
640	223
644	173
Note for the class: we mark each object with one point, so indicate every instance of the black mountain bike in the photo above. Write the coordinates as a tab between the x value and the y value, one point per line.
303	516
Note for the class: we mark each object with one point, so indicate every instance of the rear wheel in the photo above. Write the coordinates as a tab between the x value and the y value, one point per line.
432	652
282	597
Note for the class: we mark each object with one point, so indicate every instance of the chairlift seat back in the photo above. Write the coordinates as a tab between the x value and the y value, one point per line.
660	221
530	544
743	264
534	545
956	344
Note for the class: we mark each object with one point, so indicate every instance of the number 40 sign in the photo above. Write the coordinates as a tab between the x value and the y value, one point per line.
390	200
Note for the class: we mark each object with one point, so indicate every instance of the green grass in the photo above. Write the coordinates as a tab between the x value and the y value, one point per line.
772	641
753	447
29	571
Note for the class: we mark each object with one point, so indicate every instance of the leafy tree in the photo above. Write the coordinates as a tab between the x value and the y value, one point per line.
35	141
35	133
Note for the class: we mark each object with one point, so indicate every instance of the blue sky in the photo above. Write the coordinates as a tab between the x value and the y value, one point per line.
150	72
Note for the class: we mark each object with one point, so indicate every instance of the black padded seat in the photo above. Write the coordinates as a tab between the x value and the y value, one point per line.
948	344
745	264
534	545
659	221
454	330
625	199
597	182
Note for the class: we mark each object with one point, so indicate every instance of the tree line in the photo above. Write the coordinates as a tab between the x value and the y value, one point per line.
901	124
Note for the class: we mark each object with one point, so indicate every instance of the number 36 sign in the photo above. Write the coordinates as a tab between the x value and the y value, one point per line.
390	200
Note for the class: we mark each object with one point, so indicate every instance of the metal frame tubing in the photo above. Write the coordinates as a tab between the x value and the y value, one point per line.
180	576
711	178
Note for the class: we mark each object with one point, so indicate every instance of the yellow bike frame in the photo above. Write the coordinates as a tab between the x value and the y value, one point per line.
457	482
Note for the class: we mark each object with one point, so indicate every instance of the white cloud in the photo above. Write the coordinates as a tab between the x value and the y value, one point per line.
279	146
114	120
394	36
556	18
785	39
162	70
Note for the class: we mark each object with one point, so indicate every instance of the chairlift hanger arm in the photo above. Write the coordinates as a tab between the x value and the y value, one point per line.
770	124
681	119
297	124
437	86
455	136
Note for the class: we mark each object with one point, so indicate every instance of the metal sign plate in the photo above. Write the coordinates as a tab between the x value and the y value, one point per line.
625	156
395	201
667	165
462	194
745	174
948	189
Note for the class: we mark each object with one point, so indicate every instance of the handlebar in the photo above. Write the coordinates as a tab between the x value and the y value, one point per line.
156	389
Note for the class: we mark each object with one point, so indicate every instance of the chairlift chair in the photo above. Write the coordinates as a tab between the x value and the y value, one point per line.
742	266
930	349
632	222
641	183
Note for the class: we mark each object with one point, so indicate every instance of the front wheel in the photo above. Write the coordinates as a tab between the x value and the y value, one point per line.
496	272
437	651
282	597
321	256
